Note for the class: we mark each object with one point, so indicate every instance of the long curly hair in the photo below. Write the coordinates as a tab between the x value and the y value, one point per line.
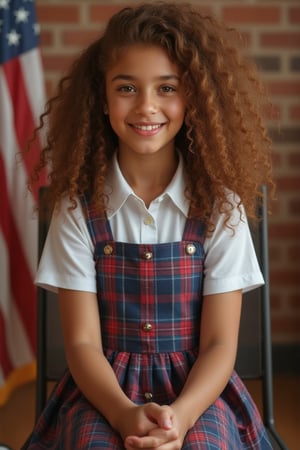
223	141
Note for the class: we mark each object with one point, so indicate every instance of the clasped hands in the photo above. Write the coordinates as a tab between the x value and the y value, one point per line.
151	426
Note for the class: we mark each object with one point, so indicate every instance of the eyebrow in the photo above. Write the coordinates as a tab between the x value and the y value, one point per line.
133	78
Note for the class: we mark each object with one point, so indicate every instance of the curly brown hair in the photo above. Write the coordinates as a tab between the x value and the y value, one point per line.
223	141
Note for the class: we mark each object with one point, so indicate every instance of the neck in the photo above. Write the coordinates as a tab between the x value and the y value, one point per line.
148	175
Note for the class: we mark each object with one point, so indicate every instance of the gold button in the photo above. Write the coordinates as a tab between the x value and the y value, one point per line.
108	249
148	396
147	326
148	220
190	249
147	255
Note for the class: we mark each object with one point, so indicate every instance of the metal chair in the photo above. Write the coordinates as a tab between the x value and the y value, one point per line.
51	360
254	358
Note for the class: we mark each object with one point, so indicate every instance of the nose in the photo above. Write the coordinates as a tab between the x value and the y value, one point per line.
147	103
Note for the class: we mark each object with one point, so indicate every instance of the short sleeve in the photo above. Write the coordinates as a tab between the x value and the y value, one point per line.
67	259
230	258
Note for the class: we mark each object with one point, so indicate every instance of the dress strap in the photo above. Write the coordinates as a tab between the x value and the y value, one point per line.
99	227
194	230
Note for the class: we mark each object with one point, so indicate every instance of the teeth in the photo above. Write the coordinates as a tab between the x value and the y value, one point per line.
147	127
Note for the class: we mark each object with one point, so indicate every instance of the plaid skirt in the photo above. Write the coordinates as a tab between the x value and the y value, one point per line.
150	306
70	422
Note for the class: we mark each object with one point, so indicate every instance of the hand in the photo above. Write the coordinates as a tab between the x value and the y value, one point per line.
139	420
164	436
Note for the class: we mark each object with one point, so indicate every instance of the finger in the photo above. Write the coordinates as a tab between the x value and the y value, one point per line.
162	415
136	442
167	417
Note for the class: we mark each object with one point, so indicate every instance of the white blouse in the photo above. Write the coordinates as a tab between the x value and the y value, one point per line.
67	259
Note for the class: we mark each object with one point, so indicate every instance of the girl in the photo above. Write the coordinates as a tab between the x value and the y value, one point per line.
156	149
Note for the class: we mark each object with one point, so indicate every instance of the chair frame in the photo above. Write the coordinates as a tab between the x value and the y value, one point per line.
42	375
267	374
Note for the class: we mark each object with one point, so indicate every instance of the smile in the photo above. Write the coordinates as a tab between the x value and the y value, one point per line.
147	127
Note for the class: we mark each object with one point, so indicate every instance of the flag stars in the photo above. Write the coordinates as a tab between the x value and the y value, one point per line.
4	4
13	38
21	15
36	29
19	31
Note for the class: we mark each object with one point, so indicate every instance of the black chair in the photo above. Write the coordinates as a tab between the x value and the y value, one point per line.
254	358
51	361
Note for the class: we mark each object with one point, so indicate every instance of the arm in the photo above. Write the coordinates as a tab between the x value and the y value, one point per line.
217	353
92	372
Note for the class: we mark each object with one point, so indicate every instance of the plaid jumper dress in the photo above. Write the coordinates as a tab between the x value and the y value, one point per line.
150	305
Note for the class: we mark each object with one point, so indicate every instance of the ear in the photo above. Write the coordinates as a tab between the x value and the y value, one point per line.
105	109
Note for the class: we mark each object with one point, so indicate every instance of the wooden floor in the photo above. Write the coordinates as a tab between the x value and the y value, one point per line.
17	416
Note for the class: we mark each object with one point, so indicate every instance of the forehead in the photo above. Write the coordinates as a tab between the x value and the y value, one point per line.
143	60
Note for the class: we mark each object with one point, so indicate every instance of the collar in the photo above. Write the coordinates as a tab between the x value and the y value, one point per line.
118	190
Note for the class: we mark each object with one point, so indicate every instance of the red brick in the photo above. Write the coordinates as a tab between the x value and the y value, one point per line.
251	14
294	208
290	88
294	159
284	231
276	159
102	13
288	183
274	207
46	38
57	62
275	302
58	14
293	254
275	252
49	87
293	301
289	324
79	37
280	40
294	112
294	15
272	112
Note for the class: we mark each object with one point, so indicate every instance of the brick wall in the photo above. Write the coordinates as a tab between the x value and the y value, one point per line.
272	28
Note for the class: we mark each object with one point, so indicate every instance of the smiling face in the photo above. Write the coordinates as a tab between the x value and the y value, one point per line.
145	100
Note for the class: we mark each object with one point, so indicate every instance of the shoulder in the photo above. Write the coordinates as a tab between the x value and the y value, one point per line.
230	213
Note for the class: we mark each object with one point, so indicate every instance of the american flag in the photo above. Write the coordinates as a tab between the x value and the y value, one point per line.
21	101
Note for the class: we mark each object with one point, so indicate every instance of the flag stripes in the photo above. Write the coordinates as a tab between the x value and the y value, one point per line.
21	102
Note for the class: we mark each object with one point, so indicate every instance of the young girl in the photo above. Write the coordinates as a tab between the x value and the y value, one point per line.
156	149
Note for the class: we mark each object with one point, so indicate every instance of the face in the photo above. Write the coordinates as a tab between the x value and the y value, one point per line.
145	100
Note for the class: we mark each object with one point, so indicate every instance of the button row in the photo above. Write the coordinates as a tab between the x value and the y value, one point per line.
190	250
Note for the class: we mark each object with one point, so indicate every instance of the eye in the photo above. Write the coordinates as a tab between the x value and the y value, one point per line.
167	89
126	89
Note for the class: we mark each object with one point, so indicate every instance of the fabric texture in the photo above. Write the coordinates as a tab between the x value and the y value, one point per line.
150	305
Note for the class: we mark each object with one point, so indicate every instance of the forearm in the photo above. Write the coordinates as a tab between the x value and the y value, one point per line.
97	381
83	346
206	381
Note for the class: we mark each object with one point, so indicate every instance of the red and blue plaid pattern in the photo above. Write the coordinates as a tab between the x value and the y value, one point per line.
150	306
